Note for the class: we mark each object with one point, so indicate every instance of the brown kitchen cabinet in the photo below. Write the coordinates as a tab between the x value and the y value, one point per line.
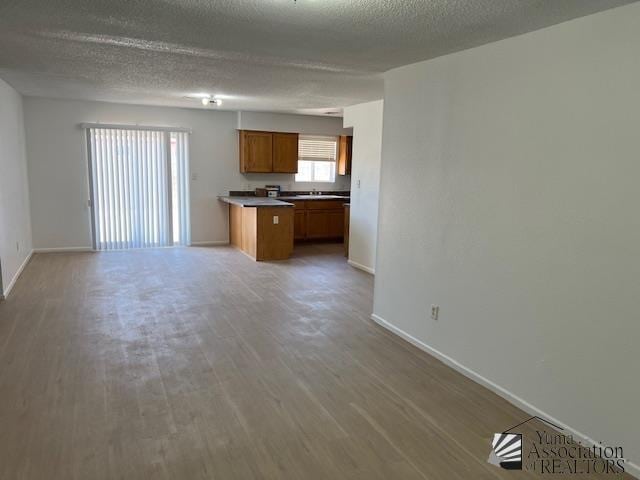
263	233
256	152
300	225
347	214
345	151
335	223
317	224
268	152
318	220
285	152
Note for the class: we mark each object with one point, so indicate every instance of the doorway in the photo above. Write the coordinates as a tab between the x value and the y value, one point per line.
139	182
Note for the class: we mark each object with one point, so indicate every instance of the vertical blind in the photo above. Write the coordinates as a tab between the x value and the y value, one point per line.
180	169
134	174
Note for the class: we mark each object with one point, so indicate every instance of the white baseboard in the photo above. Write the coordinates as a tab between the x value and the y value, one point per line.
630	467
359	266
63	249
13	281
210	243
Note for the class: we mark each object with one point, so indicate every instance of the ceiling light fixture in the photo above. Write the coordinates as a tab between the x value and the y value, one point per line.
211	101
205	98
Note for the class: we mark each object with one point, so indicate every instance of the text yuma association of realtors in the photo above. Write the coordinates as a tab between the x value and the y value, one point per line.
558	453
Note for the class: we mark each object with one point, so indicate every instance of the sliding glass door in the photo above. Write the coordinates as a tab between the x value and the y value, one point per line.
139	187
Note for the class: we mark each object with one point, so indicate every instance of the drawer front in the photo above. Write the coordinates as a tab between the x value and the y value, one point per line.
325	205
299	204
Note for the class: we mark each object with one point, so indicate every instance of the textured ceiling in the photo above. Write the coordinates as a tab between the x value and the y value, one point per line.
280	55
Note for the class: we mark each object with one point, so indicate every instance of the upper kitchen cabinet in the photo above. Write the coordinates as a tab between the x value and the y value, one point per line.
344	155
256	152
285	152
268	152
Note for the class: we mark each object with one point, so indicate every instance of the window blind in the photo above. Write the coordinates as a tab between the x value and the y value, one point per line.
317	148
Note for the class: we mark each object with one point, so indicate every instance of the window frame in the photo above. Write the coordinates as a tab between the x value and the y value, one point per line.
331	159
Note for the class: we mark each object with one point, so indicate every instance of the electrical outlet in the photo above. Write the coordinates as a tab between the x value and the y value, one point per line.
276	219
435	311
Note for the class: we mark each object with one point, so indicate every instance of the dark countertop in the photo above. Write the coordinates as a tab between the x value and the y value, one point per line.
314	197
290	193
254	201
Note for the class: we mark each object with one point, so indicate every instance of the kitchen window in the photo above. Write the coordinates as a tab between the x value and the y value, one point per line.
317	159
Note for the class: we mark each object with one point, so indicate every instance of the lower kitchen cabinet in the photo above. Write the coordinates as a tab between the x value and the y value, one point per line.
300	225
335	223
317	224
347	214
317	220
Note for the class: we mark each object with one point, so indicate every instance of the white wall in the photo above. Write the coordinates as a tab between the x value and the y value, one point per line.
510	197
58	168
366	120
15	222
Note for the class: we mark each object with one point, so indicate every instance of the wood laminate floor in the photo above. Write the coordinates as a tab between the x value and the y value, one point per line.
202	364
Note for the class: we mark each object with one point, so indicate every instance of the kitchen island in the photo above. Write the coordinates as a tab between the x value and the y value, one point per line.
261	227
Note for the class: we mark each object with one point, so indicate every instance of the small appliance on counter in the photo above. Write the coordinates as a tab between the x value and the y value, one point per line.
271	191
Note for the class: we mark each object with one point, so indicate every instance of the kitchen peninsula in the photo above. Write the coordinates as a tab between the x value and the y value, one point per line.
261	227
